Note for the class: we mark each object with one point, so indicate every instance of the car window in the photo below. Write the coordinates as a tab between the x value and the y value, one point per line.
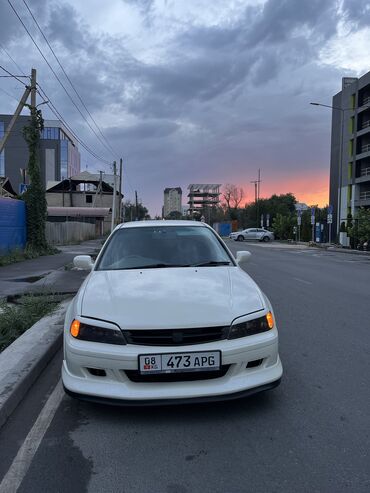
162	246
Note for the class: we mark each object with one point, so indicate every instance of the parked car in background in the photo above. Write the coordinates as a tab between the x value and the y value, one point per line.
167	314
259	234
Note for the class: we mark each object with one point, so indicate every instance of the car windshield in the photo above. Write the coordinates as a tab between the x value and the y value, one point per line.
163	246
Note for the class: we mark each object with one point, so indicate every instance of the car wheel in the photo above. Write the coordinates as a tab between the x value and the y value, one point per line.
266	239
240	238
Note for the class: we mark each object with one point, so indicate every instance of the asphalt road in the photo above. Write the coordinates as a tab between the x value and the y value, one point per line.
311	434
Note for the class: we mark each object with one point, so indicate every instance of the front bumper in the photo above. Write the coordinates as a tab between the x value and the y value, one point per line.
115	386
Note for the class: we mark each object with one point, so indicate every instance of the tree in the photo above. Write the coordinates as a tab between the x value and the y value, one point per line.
130	211
34	197
232	196
174	215
360	230
283	226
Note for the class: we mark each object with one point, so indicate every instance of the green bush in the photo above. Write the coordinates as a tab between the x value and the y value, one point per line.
16	319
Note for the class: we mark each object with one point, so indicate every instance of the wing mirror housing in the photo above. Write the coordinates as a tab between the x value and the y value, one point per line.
83	262
242	257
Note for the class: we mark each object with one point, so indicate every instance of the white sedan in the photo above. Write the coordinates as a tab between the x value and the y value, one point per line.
259	234
167	315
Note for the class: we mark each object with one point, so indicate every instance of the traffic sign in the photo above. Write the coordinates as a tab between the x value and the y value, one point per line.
312	216
22	188
329	219
299	220
330	209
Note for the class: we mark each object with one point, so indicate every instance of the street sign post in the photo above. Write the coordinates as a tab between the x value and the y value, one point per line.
313	223
261	220
329	220
299	222
267	220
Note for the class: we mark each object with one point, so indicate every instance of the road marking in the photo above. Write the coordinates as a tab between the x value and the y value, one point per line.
20	465
297	279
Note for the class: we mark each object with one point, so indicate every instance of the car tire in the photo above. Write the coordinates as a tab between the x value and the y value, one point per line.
266	239
240	238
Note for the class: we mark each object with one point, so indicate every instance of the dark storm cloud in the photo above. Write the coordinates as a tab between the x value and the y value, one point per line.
219	100
144	130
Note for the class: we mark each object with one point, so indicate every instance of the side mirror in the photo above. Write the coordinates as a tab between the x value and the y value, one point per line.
242	257
83	262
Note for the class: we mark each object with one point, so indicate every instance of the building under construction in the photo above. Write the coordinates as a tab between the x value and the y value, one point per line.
203	197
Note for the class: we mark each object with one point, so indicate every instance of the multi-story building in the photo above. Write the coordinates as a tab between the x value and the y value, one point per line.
172	201
350	149
202	197
59	155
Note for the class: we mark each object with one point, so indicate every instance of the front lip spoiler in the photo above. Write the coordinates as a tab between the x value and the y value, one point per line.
172	402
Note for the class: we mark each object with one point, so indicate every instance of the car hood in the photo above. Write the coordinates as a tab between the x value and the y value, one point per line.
173	297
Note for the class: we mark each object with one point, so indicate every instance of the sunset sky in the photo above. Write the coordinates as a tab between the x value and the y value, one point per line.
197	91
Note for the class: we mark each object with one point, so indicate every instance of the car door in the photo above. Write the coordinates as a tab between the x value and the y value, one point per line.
260	233
250	234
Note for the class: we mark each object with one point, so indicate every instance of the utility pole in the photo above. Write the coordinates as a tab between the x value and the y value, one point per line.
33	88
136	207
114	195
257	195
29	90
120	192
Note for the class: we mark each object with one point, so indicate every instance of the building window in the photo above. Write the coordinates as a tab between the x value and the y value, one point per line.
2	155
63	159
50	133
88	199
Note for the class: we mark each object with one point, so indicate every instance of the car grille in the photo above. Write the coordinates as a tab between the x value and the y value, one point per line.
175	337
189	376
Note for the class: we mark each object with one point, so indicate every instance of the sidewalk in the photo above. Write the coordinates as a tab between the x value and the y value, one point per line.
48	272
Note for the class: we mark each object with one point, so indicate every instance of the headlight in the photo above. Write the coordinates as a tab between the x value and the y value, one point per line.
92	333
251	327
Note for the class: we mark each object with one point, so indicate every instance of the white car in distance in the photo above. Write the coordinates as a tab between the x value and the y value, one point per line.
167	315
259	234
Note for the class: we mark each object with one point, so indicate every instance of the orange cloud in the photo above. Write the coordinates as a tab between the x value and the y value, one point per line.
310	188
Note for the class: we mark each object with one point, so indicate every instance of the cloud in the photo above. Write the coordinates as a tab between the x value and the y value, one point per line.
196	90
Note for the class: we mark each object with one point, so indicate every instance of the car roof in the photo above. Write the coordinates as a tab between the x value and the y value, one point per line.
161	223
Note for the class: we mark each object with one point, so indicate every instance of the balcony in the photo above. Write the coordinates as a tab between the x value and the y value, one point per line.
366	101
365	124
365	172
365	195
365	148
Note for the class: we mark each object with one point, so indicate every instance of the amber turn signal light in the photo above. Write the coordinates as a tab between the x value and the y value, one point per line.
270	320
75	328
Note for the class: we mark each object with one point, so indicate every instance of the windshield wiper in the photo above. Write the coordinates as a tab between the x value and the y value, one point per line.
212	263
157	266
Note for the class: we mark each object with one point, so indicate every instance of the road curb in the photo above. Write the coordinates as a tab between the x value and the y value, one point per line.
23	361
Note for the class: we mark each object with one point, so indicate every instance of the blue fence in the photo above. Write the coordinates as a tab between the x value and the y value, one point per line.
223	229
12	224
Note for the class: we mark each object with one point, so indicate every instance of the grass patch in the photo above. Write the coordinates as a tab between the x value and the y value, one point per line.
27	254
16	319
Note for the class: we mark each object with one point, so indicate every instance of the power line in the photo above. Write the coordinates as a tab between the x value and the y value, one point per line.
8	94
12	59
56	76
55	111
12	75
69	80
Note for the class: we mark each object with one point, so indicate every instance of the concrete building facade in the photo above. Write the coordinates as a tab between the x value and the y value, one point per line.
350	149
203	197
172	201
59	154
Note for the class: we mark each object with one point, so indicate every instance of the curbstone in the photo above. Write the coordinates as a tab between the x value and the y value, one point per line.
23	361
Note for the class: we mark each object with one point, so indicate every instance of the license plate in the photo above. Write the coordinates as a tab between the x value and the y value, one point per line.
179	362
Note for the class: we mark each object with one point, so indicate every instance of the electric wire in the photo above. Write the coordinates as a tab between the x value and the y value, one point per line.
56	76
12	75
12	59
69	80
55	111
